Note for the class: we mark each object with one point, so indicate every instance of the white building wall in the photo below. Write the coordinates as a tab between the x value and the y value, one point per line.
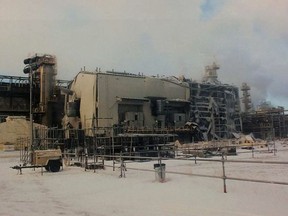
84	86
111	88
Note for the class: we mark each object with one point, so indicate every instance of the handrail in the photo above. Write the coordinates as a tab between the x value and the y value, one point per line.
222	160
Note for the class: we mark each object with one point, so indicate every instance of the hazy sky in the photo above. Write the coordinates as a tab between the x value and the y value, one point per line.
249	39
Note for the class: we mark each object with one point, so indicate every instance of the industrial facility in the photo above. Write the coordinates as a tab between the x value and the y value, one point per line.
138	103
134	102
215	106
132	112
47	101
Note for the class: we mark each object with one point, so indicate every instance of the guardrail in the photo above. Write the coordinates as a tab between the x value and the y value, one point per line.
223	161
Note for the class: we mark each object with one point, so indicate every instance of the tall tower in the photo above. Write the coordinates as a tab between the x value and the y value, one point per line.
211	75
246	99
42	68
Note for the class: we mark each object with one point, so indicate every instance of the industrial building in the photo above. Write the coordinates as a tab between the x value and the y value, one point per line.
195	111
47	102
132	101
264	122
133	111
14	96
215	107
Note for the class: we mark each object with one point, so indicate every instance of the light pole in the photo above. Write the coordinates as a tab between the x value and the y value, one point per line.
31	110
32	64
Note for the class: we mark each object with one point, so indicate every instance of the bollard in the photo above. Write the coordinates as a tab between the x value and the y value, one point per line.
160	172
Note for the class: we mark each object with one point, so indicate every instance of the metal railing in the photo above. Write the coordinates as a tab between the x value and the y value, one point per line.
23	144
223	161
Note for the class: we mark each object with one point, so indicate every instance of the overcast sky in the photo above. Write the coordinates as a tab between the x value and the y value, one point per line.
248	39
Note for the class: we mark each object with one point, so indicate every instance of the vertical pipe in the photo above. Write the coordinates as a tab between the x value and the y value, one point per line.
30	107
113	151
86	157
252	150
160	167
95	147
274	148
96	142
85	143
21	148
224	176
121	166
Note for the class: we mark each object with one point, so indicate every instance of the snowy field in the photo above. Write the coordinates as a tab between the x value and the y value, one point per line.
75	191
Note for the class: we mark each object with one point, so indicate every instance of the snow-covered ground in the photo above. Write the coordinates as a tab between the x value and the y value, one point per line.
75	191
